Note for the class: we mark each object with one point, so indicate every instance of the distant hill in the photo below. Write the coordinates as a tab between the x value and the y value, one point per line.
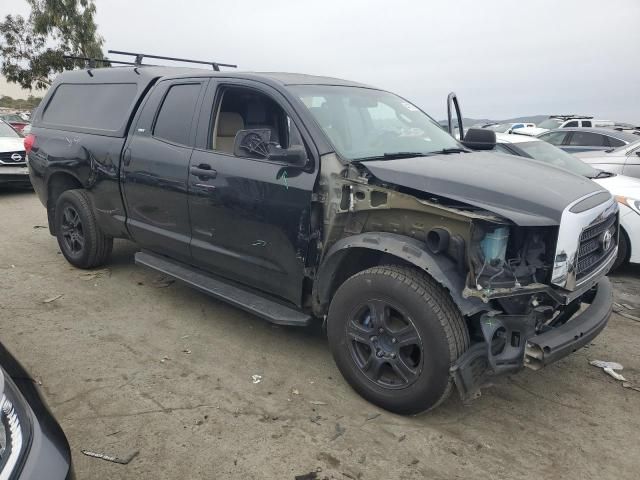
467	122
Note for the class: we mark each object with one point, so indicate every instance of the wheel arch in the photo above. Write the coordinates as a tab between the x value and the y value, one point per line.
57	184
353	254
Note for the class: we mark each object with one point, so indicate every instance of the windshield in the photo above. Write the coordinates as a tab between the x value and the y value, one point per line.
550	123
7	131
545	152
363	123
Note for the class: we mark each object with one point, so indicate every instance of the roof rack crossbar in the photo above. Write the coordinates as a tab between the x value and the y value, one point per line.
93	61
139	56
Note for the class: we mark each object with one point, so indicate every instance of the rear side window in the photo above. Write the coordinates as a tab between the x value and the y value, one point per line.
615	143
588	139
97	106
586	123
176	113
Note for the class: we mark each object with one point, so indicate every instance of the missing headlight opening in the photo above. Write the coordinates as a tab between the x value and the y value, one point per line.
506	258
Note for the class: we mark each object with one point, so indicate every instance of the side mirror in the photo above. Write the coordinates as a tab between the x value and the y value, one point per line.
256	143
295	156
638	153
480	139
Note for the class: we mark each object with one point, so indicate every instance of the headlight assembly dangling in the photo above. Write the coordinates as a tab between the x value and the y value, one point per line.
15	427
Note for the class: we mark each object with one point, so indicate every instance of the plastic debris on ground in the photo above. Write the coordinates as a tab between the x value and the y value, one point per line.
53	299
609	368
111	458
256	378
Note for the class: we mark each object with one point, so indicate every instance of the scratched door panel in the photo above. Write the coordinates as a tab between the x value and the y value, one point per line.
246	222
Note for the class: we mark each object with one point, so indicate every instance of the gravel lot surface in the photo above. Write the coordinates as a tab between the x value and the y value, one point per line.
129	362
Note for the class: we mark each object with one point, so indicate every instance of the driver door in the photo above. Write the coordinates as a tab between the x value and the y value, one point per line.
249	216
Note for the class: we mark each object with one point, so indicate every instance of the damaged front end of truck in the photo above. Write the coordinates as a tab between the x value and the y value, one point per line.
530	285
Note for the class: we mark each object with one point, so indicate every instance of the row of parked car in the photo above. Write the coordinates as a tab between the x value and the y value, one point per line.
298	198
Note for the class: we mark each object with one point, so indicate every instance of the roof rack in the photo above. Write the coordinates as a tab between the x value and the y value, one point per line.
139	56
93	61
570	116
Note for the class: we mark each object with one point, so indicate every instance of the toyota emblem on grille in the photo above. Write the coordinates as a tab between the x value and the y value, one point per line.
605	240
16	157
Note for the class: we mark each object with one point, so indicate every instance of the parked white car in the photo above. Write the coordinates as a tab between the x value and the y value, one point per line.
625	189
509	127
564	121
13	159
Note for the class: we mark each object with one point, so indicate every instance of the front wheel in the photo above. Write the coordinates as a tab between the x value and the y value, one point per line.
623	250
394	333
81	241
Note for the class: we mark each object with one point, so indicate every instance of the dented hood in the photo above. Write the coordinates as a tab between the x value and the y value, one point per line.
525	192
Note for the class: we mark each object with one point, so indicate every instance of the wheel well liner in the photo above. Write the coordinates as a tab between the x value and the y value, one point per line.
393	247
58	183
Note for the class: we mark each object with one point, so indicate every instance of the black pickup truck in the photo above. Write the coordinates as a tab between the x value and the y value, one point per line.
302	198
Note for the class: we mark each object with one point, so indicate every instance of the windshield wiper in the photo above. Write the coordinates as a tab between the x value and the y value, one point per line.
447	151
392	156
602	174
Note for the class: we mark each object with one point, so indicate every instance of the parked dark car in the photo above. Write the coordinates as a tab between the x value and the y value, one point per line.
624	160
302	198
32	444
575	140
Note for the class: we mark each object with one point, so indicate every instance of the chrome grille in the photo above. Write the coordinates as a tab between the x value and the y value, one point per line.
592	252
5	158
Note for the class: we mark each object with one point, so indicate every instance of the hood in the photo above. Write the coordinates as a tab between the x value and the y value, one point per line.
621	185
525	192
531	131
11	144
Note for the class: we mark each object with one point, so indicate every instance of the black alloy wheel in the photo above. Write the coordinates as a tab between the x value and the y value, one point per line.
385	344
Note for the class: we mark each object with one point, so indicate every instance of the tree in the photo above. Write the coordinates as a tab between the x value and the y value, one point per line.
32	49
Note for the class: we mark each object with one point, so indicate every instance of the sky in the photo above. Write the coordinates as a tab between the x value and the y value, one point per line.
502	58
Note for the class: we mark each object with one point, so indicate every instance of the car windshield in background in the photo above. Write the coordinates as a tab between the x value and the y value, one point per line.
7	131
550	123
545	152
362	123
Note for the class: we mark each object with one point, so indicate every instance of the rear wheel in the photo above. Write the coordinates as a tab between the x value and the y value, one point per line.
394	333
81	241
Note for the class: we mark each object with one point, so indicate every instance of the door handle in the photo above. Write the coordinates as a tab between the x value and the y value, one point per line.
203	171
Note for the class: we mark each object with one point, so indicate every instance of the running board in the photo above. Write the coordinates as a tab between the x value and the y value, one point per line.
251	302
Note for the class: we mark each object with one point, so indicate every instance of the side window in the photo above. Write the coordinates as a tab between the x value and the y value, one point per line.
517	125
587	139
615	143
554	138
176	113
247	109
573	123
586	123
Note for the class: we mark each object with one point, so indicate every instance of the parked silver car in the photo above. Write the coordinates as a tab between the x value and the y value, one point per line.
624	160
574	140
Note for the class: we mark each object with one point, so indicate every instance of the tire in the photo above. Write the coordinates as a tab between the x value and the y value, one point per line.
81	241
623	250
408	383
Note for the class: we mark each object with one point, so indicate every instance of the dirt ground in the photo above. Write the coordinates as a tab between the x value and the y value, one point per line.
129	363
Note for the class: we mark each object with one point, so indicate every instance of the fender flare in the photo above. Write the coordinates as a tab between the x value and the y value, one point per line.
442	269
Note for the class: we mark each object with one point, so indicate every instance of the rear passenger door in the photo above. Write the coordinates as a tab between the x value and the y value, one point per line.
250	216
155	166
